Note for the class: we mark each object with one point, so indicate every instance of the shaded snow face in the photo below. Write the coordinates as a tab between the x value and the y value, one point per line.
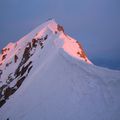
17	59
17	69
46	75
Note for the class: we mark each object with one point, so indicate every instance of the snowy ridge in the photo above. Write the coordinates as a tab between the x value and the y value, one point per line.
46	75
69	44
17	59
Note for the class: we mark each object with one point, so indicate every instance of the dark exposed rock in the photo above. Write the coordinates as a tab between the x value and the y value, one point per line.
20	81
1	89
7	64
41	44
2	102
45	38
60	28
26	54
15	58
22	70
5	90
1	73
4	56
4	50
41	41
34	43
82	53
17	72
9	91
30	68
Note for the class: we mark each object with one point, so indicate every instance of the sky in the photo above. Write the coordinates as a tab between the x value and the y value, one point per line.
94	23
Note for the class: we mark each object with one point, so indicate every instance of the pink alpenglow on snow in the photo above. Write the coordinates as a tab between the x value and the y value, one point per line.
46	75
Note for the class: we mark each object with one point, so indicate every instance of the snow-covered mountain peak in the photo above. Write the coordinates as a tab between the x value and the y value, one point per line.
51	24
51	31
70	45
17	59
47	75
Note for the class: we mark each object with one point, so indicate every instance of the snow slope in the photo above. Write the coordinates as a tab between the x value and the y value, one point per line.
52	79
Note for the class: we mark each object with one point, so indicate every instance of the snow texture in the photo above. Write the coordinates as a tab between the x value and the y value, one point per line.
62	83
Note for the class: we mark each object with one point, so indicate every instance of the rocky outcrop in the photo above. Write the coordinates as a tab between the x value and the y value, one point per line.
60	28
22	71
15	58
81	53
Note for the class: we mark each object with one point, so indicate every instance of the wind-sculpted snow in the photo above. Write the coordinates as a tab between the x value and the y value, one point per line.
46	75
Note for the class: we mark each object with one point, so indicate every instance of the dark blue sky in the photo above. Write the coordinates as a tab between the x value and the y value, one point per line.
95	23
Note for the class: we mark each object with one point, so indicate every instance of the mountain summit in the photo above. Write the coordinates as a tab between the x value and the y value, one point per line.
46	75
